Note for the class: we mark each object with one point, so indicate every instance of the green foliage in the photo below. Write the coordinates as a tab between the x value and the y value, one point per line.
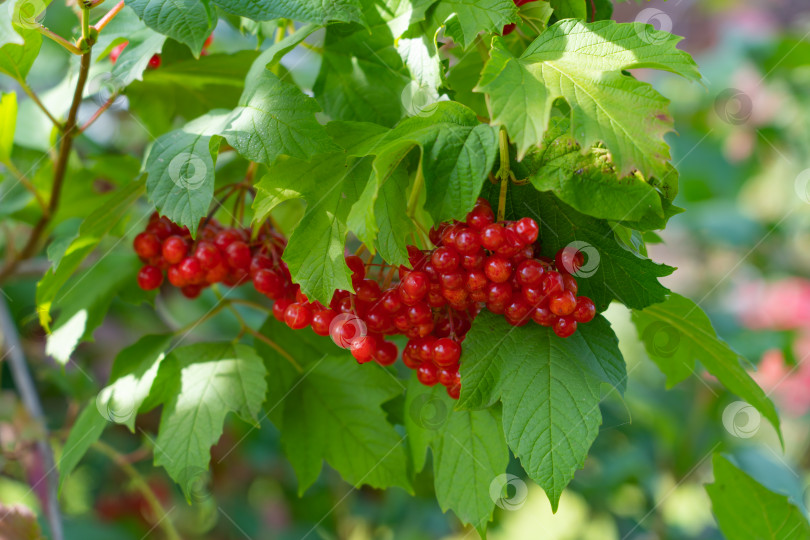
744	508
677	332
187	21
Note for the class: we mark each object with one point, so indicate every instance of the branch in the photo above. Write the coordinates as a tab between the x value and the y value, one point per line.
30	398
109	16
30	93
59	170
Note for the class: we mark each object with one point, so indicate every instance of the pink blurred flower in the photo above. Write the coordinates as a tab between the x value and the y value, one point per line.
784	305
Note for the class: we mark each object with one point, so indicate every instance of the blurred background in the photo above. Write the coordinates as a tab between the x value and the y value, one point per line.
742	249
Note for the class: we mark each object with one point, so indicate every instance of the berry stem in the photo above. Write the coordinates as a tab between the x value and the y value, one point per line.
275	346
416	191
504	173
109	16
143	486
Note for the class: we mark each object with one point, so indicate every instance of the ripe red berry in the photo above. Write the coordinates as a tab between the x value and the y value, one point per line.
481	215
446	352
175	276
542	316
150	277
565	327
415	285
499	293
452	280
454	391
517	310
224	238
409	357
321	320
155	61
174	249
476	280
474	261
570	283
368	291
191	291
386	353
419	313
585	310
363	348
498	269
445	259
390	302
208	255
269	283
147	245
552	283
492	236
191	271
530	273
238	255
280	307
298	316
527	229
357	266
533	295
562	304
467	241
569	260
427	374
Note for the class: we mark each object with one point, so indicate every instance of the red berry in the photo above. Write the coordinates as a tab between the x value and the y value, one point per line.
280	307
508	29
321	320
217	274
533	295
527	230
208	255
409	357
454	391
445	259
390	302
452	280
467	241
553	283
562	304
446	352
480	216
476	280
368	291
585	310
386	353
191	271
150	277
116	52
210	39
530	273
357	266
474	261
415	285
542	316
191	291
569	260
498	269
238	255
298	316
147	245
570	283
427	374
363	348
517	310
224	238
499	293
492	237
175	276
268	283
155	61
448	375
419	313
174	249
565	327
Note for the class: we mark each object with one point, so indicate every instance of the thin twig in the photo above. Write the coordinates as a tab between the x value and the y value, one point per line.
30	398
30	93
70	47
143	486
107	104
28	185
109	16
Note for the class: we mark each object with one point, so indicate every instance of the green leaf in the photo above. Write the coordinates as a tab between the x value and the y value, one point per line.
214	379
192	88
315	250
180	166
134	370
469	451
362	76
464	19
271	56
589	183
332	411
549	388
8	124
677	332
569	9
142	44
457	153
187	21
87	430
84	305
746	509
16	60
95	227
315	11
610	271
583	63
274	118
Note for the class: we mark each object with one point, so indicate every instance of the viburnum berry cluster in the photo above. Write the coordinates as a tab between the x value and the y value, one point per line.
475	264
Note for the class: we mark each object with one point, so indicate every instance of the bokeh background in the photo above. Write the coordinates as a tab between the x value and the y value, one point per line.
742	249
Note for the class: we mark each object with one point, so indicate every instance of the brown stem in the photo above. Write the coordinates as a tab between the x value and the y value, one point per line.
60	168
30	93
107	104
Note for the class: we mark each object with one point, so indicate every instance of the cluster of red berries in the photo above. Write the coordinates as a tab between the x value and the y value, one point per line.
219	255
155	61
477	263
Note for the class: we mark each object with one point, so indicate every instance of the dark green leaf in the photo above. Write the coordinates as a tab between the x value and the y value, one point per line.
315	11
87	430
187	21
464	19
